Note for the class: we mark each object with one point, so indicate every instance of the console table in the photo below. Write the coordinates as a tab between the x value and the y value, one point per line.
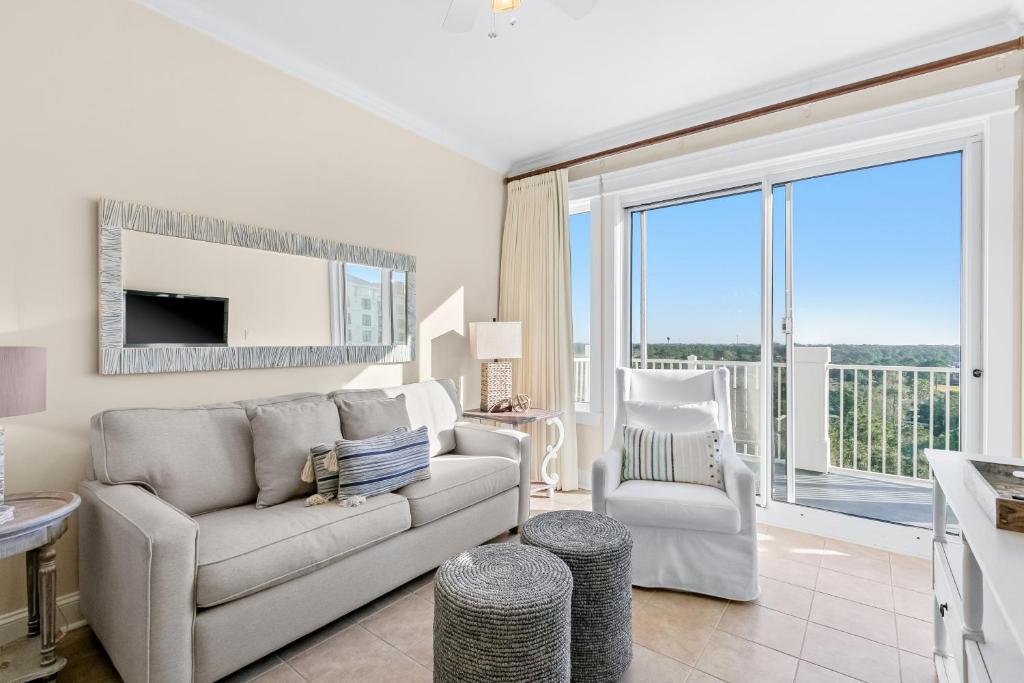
979	596
39	520
550	417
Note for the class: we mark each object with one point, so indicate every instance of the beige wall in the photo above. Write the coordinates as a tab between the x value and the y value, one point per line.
102	98
590	438
273	299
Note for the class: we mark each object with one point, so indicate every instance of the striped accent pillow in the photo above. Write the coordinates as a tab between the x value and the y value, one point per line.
685	457
382	463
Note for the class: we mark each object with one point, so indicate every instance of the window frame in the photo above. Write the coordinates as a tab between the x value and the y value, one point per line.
583	200
341	315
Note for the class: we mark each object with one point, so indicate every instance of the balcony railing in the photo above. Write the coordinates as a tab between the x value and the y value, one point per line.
881	417
873	418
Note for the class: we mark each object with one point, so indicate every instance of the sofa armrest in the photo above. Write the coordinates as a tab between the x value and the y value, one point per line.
739	486
606	475
137	569
477	439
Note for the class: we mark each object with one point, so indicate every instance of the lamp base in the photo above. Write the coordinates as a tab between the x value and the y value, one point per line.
495	383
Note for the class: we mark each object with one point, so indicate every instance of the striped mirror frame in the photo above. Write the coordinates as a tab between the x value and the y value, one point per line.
116	359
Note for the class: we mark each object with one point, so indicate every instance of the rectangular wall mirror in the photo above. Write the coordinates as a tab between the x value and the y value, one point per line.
180	292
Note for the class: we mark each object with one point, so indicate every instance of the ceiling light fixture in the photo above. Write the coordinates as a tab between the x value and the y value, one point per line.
499	6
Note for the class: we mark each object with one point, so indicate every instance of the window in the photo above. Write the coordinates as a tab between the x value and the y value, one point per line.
364	288
695	274
399	306
369	305
579	256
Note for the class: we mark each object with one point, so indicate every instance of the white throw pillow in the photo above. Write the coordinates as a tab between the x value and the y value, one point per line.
672	417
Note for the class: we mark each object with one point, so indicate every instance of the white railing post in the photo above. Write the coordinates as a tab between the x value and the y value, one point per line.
691	362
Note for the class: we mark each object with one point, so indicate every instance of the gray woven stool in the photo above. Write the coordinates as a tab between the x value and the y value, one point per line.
597	550
502	615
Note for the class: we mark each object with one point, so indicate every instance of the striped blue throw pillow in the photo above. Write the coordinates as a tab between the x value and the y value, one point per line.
685	457
382	463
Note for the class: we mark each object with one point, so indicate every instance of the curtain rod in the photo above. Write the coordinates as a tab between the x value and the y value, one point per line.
937	65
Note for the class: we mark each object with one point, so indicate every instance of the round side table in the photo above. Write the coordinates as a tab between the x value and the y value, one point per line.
39	520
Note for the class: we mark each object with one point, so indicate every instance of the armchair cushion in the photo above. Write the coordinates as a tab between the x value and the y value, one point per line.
673	417
477	439
684	457
456	482
674	506
244	550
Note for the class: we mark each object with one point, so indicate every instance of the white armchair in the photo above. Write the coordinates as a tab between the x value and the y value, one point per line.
685	536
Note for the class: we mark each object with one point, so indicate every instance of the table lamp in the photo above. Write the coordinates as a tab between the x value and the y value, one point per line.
495	342
22	391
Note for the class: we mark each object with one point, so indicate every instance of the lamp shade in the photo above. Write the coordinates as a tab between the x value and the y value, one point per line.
22	380
496	340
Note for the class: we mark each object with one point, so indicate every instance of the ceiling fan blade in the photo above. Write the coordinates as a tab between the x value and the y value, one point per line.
577	9
461	15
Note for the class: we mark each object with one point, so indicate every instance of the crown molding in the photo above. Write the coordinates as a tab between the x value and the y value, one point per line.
993	30
320	76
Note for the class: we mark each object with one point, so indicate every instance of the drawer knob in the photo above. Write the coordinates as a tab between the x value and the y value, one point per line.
942	609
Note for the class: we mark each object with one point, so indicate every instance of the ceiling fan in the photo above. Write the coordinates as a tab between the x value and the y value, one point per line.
462	14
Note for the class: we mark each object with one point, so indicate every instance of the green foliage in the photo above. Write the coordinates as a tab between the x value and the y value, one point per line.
918	355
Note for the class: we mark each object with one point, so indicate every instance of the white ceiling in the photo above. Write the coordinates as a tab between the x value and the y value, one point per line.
551	87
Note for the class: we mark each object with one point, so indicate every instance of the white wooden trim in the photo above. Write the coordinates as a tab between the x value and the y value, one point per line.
333	81
943	122
896	538
14	625
788	154
989	32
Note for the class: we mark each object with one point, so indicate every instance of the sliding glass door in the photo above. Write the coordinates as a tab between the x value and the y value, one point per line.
696	296
866	299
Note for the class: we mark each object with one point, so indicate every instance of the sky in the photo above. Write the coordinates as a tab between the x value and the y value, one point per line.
876	260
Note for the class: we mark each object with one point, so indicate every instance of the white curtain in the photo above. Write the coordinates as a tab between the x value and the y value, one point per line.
535	289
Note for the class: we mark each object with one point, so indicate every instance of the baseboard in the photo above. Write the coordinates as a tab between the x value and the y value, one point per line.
13	625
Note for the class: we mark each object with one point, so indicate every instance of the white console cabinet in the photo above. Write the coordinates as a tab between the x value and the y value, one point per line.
978	578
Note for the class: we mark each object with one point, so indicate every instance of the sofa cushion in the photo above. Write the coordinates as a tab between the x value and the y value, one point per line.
457	482
196	459
244	550
433	403
252	404
282	435
362	419
675	506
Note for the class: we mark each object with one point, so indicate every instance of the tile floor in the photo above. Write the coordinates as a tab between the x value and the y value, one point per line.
829	612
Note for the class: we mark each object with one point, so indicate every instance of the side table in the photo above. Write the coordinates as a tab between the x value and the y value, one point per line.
39	520
550	417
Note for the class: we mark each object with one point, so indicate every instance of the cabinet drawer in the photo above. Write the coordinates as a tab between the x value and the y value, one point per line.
976	669
948	617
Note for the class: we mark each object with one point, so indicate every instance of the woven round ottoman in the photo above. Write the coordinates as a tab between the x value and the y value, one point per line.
597	550
502	615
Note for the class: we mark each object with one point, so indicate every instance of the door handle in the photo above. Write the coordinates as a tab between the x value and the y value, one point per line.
942	609
976	372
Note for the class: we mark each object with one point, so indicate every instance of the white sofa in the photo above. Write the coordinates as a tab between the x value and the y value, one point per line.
685	536
184	579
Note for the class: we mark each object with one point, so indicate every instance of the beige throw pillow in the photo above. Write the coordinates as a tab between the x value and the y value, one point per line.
371	417
281	437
